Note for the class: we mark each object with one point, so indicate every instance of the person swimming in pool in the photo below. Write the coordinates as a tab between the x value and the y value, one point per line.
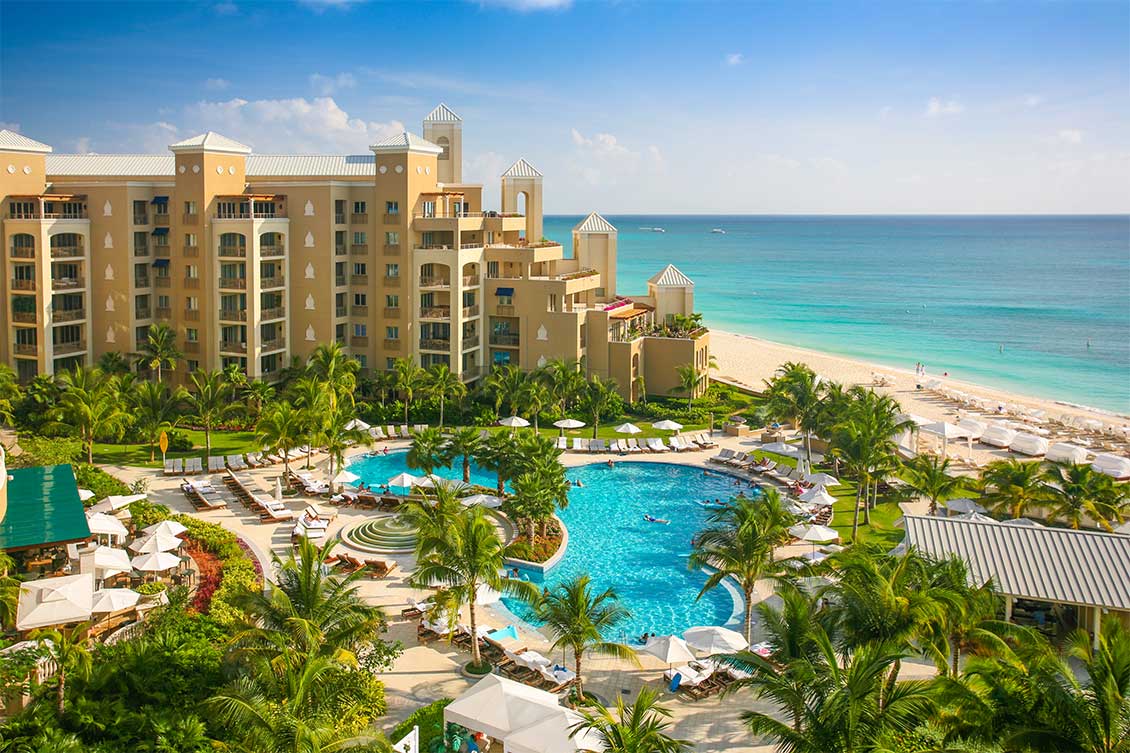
653	519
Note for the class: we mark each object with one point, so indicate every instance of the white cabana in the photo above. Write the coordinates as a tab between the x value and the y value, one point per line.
106	525
667	425
780	448
357	424
113	599
482	500
628	429
817	495
1065	452
1112	465
554	734
670	649
946	431
712	639
49	602
514	422
155	562
156	542
167	527
821	479
974	428
1029	444
998	435
501	708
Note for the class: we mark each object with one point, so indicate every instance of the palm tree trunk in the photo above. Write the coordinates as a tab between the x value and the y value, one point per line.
867	503
405	410
90	451
500	482
476	656
577	669
956	661
158	373
855	517
208	438
466	469
530	530
748	613
441	410
61	692
152	451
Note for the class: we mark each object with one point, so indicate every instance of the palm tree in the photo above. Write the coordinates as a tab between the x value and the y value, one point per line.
639	728
409	380
9	392
564	379
428	450
498	454
463	556
533	397
330	364
89	406
235	376
159	351
70	651
443	384
112	362
530	502
738	543
794	393
1012	486
280	429
1076	492
155	410
312	397
598	397
639	386
928	476
9	592
335	435
690	377
257	394
505	383
464	443
967	623
579	619
210	402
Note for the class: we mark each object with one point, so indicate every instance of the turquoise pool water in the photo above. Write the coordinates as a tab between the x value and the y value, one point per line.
610	540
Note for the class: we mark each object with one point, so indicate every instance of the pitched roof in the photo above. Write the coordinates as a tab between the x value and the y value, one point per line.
43	508
406	142
212	142
258	165
10	141
96	165
1046	564
671	277
267	165
442	114
594	223
522	169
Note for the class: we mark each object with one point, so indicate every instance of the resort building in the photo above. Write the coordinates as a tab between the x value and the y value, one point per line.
255	259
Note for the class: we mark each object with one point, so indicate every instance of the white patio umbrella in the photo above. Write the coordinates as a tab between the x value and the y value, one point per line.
106	525
779	448
962	505
514	422
346	477
155	562
169	527
358	425
670	649
821	479
482	500
55	601
628	429
278	489
111	558
156	542
113	599
818	495
85	494
712	639
569	423
403	481
815	534
484	594
667	425
117	502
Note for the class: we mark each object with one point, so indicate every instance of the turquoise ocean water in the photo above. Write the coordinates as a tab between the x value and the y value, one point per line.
947	291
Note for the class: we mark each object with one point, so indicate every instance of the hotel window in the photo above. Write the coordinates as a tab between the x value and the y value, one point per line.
360	268
360	330
492	269
141	243
392	301
392	333
192	335
192	303
360	299
443	143
190	240
392	207
190	208
191	272
339	239
193	365
360	238
22	210
429	209
392	239
363	360
163	302
339	211
392	270
140	212
390	364
359	207
505	300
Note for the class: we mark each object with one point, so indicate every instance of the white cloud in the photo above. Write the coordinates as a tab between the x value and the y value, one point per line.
1032	100
5	126
82	145
526	6
1070	136
216	84
327	85
601	143
225	9
885	111
321	6
937	107
735	58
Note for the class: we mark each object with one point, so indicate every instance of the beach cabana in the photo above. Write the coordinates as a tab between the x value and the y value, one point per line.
1065	452
998	435
1115	466
946	431
974	428
1029	444
52	602
817	495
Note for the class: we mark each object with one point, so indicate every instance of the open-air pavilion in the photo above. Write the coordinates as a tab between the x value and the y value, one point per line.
1086	570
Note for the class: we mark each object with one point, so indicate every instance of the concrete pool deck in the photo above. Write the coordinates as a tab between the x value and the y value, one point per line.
426	673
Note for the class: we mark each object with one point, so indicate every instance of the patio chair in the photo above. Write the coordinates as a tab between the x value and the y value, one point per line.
404	433
391	431
377	433
673	443
723	455
634	446
598	445
580	445
562	443
655	444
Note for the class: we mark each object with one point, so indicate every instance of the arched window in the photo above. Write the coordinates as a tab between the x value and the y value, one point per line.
234	244
444	144
66	244
23	246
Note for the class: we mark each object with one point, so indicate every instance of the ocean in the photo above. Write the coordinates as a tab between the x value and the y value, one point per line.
1039	305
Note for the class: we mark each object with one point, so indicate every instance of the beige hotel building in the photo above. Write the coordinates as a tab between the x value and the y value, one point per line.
257	258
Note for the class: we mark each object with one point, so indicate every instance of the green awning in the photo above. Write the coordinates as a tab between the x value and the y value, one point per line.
43	508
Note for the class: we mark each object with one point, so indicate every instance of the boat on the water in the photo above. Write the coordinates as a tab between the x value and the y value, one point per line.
658	230
718	230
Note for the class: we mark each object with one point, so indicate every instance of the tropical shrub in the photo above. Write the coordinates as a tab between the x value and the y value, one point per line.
99	481
430	721
40	450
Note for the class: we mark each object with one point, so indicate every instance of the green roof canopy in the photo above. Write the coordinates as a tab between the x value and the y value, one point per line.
43	508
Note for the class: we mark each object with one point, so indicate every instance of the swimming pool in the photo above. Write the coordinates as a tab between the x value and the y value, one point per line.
610	540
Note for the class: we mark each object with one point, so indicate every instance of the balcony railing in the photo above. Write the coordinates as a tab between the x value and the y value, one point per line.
23	252
233	346
192	315
390	313
359	249
190	346
359	341
392	219
359	310
142	312
471	281
341	311
233	283
470	341
358	279
142	251
163	312
192	251
277	281
238	252
470	312
24	317
190	219
435	343
339	218
276	343
391	344
26	349
140	219
163	281
23	284
141	282
435	282
272	249
66	252
435	312
359	218
191	283
65	283
276	312
471	373
392	282
233	315
72	346
68	315
161	219
504	309
340	280
161	252
505	339
392	249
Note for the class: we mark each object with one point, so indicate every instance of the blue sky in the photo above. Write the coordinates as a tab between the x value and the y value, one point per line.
626	107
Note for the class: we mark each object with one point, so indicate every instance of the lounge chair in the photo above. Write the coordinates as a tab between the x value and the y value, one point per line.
738	459
379	568
483	434
598	445
556	681
704	441
616	445
580	445
634	446
235	462
193	465
377	433
420	427
655	444
391	431
404	433
723	455
562	443
174	467
675	444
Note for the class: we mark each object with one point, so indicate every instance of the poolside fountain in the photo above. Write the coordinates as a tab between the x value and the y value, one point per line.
388	534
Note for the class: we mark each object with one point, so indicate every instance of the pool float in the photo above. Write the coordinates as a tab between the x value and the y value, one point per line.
652	519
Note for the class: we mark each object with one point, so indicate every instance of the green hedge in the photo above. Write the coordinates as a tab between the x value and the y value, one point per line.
430	720
98	481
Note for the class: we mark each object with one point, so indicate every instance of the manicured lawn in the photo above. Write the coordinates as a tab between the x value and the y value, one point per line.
223	443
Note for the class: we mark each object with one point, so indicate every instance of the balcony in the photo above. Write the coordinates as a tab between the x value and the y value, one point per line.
276	312
435	283
163	281
23	284
392	219
24	317
190	219
391	344
272	250
26	349
359	341
435	312
392	249
192	315
65	283
66	252
192	251
359	310
504	309
470	342
141	219
340	280
142	251
233	283
161	219
471	281
161	251
141	281
72	346
163	312
191	283
470	312
359	249
233	315
471	373
339	218
276	343
390	313
504	339
435	343
68	315
233	251
276	281
358	279
341	311
142	312
392	282
23	252
359	218
233	346
190	346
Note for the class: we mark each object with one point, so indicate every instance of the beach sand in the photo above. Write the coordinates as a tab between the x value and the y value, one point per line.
749	361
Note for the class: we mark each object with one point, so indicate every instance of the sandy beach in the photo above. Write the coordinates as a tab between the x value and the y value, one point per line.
749	361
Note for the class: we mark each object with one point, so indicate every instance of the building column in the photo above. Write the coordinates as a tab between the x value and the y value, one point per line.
1097	616
1008	609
